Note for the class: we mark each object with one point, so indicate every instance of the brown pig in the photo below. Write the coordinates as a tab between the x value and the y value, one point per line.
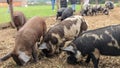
25	40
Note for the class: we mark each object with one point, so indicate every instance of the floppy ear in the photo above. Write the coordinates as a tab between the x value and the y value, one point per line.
43	46
24	57
69	49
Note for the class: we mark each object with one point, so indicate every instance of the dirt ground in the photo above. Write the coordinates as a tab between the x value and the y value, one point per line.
7	38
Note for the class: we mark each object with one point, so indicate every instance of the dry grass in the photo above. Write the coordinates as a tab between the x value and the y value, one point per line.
7	44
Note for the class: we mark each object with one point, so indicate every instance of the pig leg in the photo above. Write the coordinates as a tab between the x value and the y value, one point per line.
34	53
57	16
88	59
95	55
95	60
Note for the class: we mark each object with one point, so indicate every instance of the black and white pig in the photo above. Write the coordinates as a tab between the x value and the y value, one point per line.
105	11
67	13
59	33
104	41
99	8
92	10
109	4
85	10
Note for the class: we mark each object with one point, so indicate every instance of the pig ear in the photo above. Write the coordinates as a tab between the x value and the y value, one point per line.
69	49
24	57
43	46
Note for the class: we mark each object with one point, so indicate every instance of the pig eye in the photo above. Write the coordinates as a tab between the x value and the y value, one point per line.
54	40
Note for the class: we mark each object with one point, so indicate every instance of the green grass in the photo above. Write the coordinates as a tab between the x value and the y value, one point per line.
30	11
4	16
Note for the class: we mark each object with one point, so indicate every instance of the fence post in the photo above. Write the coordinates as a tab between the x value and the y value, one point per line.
11	12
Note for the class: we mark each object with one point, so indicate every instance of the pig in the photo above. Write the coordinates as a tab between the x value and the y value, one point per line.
105	11
93	43
99	8
59	12
19	19
67	13
25	40
92	10
85	10
109	4
59	33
